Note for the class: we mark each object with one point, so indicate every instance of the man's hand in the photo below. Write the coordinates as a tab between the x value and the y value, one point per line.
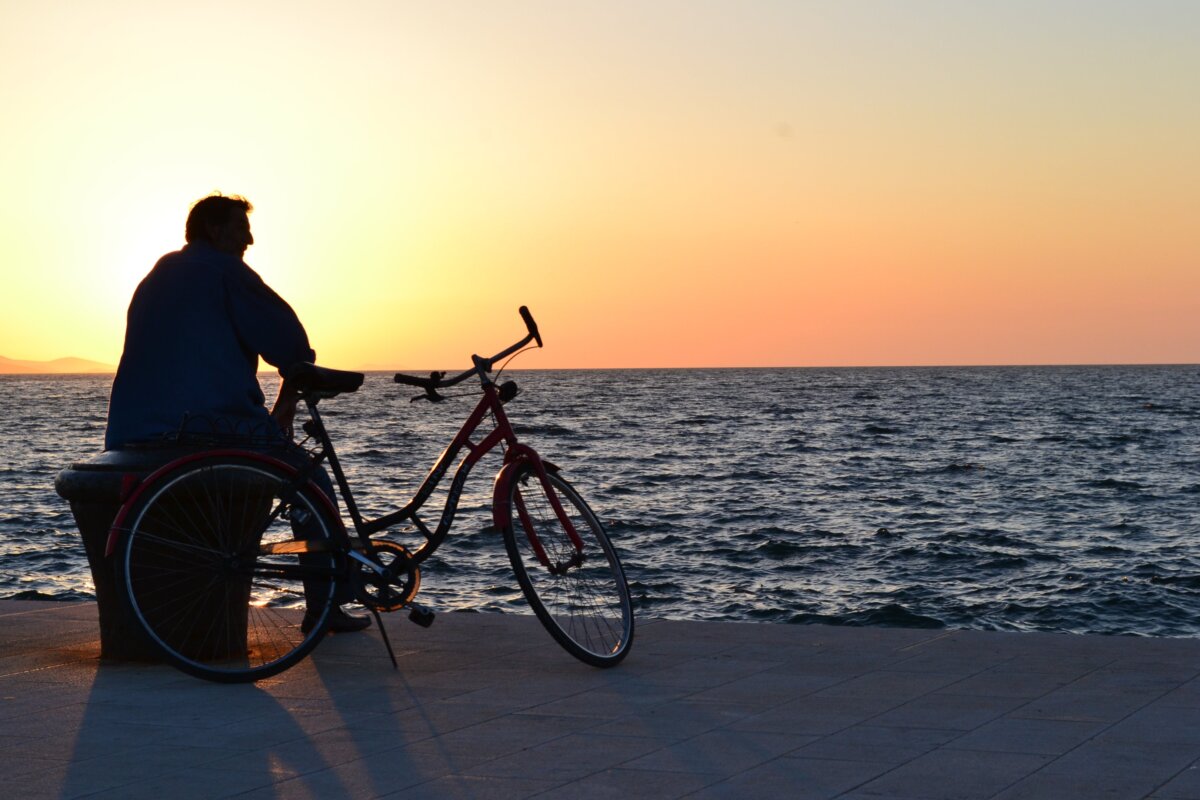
284	411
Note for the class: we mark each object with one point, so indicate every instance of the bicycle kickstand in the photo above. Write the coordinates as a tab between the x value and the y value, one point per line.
386	641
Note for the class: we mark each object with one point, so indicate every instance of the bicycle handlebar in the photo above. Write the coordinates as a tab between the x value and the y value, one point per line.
438	380
530	325
413	380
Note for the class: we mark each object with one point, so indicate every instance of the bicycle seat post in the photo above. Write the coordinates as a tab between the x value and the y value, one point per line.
328	453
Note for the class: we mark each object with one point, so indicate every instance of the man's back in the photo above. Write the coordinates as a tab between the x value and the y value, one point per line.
195	328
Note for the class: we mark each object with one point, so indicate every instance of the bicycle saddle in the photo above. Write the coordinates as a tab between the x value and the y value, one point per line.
308	378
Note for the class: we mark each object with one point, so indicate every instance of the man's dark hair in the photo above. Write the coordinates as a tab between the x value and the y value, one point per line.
215	209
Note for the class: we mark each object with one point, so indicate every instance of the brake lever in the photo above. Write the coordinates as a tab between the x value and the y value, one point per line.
431	393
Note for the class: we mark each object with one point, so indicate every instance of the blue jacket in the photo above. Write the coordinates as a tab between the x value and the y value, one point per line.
195	329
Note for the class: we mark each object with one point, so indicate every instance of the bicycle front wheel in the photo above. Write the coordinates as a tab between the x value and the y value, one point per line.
579	593
229	568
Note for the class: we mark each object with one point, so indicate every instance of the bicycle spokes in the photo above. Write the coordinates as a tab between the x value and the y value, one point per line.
561	562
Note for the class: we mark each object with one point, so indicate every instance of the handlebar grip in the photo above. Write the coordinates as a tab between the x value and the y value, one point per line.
411	380
530	324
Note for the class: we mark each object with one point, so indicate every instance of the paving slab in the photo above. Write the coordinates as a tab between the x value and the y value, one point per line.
488	706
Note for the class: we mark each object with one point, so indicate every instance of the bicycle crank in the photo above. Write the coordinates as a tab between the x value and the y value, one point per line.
387	579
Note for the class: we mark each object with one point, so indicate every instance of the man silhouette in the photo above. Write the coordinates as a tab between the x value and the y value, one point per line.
195	330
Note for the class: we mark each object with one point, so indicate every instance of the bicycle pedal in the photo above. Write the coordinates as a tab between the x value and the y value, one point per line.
421	615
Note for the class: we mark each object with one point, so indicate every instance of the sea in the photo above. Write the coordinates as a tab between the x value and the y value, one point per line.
996	498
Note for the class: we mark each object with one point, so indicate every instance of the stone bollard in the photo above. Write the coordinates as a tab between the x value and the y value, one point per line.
93	488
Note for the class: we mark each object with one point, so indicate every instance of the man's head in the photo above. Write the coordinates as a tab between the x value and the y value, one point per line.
221	222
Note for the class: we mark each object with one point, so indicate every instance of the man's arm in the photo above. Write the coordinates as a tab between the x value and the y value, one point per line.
284	410
265	323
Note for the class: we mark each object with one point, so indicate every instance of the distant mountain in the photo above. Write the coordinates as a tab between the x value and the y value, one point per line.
58	366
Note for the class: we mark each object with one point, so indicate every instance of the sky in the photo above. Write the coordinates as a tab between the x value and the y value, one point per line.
664	184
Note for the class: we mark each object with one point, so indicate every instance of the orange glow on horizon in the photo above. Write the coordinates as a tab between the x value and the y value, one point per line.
788	185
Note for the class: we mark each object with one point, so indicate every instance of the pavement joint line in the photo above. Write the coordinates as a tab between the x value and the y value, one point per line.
1107	728
6	614
925	642
45	667
1182	770
1091	738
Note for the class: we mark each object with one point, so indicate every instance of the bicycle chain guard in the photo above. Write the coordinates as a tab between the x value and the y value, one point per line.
395	586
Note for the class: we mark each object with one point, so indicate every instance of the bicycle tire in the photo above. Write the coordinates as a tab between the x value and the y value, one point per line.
586	606
196	566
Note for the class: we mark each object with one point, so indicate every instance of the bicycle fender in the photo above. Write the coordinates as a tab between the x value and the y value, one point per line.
118	525
501	516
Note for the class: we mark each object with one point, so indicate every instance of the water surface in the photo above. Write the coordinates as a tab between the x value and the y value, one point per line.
1009	498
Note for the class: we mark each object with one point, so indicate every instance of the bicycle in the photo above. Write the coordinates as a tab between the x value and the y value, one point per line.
217	551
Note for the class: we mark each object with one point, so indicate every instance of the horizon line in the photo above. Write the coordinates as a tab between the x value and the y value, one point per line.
422	372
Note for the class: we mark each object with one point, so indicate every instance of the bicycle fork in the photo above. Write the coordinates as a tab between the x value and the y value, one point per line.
515	455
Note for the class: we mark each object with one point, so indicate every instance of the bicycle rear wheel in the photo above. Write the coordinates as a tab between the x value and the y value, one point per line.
220	559
580	595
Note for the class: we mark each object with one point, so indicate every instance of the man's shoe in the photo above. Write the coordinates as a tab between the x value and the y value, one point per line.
339	622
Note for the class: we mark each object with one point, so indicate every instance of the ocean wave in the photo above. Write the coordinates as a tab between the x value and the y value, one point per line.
1002	563
776	549
1114	483
891	615
36	594
959	469
544	429
881	430
701	420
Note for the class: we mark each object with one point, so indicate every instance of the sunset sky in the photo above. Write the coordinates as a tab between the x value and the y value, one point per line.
663	183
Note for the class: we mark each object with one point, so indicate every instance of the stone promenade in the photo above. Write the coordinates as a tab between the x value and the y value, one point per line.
487	706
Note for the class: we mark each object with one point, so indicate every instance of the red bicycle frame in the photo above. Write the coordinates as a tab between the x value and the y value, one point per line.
515	455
